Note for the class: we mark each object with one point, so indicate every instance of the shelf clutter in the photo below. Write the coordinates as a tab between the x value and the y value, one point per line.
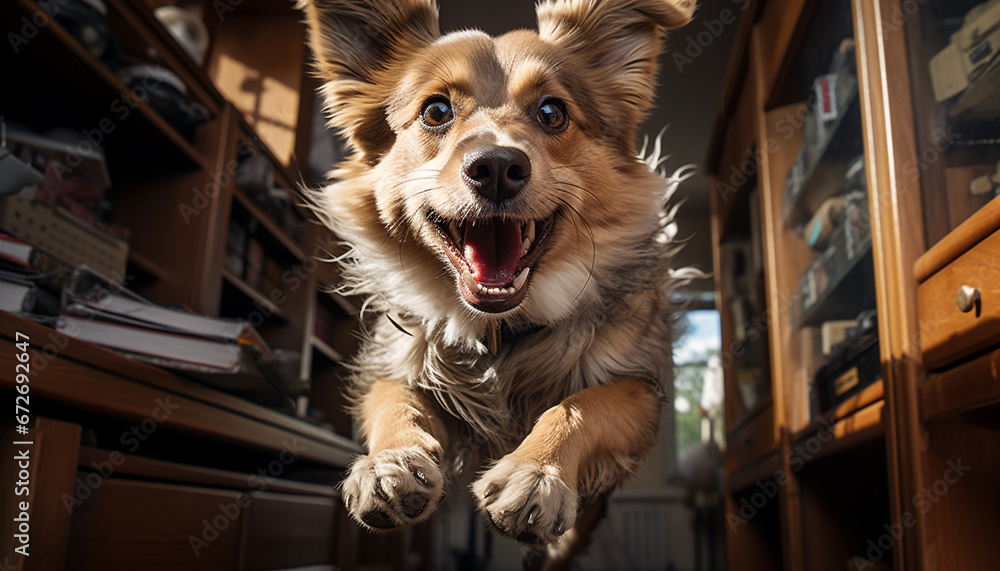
854	222
155	147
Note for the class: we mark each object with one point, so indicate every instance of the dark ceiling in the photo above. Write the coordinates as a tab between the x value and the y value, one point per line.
687	101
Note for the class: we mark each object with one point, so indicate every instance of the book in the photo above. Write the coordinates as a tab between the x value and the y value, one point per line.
24	297
175	349
138	312
14	252
23	260
227	354
232	367
89	294
41	150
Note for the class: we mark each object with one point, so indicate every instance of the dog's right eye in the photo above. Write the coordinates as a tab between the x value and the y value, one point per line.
437	112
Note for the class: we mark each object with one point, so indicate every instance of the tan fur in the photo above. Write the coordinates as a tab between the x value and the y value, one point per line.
567	411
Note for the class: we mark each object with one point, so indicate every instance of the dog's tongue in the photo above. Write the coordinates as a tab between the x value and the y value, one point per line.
492	249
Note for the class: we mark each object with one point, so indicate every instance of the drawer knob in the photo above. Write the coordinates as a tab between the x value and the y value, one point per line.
966	298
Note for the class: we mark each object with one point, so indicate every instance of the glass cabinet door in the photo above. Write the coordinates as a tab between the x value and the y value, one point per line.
823	253
953	50
741	279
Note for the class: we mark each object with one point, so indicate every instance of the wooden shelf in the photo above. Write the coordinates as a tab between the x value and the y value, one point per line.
843	144
856	421
253	296
270	226
345	305
71	89
325	349
846	294
146	265
140	32
748	417
749	474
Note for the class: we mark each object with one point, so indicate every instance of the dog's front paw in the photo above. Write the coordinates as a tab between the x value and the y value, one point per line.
393	488
526	501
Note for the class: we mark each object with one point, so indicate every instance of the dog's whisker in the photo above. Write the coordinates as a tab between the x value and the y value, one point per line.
424	191
593	243
402	263
411	180
597	198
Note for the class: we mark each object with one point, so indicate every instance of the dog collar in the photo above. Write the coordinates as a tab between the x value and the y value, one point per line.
499	333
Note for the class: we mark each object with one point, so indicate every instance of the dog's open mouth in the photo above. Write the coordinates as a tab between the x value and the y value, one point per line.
493	257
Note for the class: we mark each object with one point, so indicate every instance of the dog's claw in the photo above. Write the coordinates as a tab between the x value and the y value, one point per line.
420	476
495	523
380	490
490	491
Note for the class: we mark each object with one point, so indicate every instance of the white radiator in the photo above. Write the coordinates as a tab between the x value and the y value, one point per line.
643	531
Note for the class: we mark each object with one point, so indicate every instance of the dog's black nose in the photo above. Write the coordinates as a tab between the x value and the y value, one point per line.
498	173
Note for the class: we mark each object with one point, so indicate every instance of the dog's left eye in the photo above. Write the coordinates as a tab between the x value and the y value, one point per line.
551	114
437	112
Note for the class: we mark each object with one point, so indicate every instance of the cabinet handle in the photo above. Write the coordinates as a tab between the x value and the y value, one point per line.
966	298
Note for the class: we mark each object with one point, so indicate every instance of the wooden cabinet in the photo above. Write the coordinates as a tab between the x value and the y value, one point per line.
869	182
216	224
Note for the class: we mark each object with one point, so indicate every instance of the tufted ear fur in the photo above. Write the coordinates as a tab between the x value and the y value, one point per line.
619	41
360	47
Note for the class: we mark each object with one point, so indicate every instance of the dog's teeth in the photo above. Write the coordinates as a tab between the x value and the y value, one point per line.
480	287
456	235
520	279
529	232
470	282
526	246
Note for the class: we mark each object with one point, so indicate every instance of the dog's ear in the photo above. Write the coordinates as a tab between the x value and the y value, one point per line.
618	42
360	48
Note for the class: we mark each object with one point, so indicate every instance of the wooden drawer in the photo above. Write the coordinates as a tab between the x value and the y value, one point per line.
290	531
948	334
152	526
752	440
